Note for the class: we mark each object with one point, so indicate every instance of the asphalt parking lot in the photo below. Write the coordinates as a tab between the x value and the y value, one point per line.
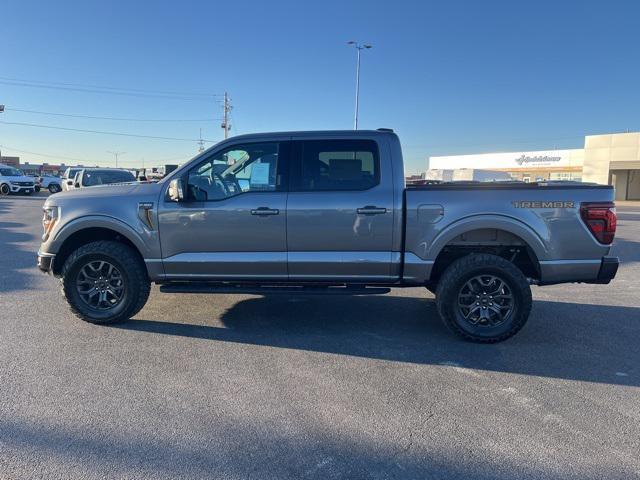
242	386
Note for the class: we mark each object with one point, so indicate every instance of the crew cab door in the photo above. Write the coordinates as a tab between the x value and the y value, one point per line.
340	211
232	223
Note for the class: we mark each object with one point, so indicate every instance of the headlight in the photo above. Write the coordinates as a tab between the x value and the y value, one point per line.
49	220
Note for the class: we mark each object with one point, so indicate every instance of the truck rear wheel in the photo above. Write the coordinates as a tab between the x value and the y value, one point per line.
105	282
483	298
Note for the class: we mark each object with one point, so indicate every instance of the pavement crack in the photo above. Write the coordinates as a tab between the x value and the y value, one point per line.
412	433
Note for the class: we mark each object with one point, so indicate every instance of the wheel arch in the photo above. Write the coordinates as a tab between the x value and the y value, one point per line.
499	235
89	229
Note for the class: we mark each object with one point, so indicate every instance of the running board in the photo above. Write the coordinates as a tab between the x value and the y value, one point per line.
189	287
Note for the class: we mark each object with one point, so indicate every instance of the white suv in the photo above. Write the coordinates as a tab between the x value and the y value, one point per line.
13	180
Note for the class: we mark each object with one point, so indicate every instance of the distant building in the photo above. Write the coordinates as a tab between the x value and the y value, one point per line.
415	178
10	161
44	169
612	159
466	174
37	168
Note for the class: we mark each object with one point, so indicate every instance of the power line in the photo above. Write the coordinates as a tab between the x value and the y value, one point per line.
87	160
76	115
62	157
101	132
103	87
109	90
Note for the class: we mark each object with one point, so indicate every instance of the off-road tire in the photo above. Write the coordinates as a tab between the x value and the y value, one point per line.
54	188
127	261
4	189
454	278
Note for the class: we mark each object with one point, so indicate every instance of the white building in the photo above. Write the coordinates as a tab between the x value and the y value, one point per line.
612	158
466	174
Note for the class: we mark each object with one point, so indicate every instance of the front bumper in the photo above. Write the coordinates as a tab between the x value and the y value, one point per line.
22	188
45	261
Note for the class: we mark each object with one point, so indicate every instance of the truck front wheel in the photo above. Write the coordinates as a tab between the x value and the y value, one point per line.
105	282
483	298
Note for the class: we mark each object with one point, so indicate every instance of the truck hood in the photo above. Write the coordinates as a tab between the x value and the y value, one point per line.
20	178
112	192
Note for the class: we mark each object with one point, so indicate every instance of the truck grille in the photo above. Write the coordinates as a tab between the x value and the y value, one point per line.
23	184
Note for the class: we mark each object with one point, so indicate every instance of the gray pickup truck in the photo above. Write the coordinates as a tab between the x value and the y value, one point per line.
326	213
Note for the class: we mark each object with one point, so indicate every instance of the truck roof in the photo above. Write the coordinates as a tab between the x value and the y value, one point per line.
314	133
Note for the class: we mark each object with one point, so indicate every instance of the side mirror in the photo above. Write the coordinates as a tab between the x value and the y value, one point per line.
176	190
69	182
77	185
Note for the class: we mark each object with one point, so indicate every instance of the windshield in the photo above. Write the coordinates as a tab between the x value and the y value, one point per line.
10	172
106	177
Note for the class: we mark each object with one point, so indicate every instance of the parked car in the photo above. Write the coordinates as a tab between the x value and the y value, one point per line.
13	180
327	212
51	183
36	181
67	178
92	177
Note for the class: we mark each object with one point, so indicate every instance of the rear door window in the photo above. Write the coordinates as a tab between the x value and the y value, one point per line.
337	165
106	177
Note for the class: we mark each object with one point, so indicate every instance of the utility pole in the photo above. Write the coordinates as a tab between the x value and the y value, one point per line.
115	154
226	109
201	143
358	48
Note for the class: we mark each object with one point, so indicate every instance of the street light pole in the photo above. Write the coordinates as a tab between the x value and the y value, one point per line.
358	48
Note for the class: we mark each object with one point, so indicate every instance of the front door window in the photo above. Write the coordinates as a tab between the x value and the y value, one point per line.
239	169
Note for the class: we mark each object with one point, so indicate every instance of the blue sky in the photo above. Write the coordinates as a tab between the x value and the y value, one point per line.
449	76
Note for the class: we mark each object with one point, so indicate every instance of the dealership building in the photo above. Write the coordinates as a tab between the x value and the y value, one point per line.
612	159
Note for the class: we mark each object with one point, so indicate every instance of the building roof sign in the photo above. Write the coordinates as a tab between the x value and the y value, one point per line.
509	160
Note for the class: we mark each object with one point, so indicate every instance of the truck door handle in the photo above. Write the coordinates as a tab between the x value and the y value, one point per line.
265	211
371	210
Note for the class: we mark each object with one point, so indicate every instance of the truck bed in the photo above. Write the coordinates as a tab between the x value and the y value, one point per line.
543	217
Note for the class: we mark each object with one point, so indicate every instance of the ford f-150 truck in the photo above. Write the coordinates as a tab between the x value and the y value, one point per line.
326	212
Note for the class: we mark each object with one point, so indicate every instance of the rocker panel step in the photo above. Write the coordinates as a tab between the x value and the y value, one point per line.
188	287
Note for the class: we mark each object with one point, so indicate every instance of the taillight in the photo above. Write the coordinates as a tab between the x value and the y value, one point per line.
601	220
